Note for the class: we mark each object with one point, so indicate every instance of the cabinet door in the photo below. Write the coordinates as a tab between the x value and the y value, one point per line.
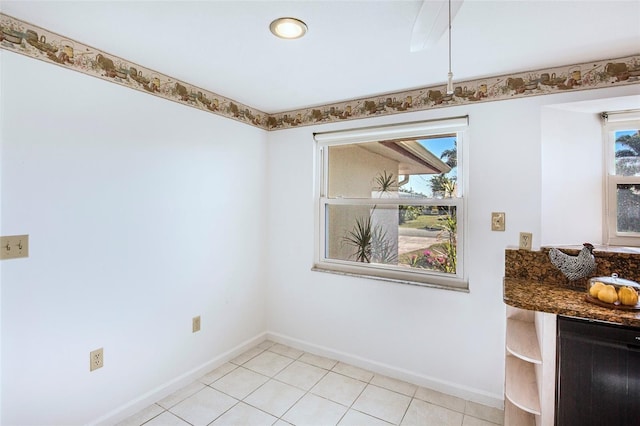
634	384
598	377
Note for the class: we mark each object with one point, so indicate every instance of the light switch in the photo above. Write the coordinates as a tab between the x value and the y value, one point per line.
14	246
497	221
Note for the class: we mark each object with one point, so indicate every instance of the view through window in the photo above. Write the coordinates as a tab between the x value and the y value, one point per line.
392	208
623	180
627	163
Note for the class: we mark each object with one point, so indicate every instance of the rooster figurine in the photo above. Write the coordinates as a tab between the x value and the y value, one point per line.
574	267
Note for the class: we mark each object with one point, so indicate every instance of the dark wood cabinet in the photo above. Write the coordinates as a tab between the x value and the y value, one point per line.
598	374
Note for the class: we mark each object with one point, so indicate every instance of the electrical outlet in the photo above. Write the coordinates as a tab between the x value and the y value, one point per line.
497	221
525	240
96	359
14	246
195	324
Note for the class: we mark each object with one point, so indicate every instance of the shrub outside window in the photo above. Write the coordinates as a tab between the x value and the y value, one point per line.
390	203
623	178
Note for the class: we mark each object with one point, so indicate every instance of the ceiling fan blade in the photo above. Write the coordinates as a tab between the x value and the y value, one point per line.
432	21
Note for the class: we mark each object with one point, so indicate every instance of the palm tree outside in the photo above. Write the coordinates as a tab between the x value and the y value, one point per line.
627	153
631	143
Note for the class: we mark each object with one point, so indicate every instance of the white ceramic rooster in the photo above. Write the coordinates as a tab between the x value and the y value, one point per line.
575	267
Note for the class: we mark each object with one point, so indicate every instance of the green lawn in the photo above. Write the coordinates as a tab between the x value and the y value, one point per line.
423	222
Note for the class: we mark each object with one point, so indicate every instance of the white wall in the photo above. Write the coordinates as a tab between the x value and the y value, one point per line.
450	341
142	213
572	153
572	149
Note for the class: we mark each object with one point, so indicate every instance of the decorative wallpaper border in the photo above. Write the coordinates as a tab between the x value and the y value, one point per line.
590	75
36	42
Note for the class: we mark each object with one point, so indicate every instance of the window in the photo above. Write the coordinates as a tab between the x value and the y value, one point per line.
390	203
622	136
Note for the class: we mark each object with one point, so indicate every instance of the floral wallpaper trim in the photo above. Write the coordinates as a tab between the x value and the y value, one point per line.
38	43
590	75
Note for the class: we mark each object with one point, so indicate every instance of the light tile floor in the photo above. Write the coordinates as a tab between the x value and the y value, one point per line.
273	384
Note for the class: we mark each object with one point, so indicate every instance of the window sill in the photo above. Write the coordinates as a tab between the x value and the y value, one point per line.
443	283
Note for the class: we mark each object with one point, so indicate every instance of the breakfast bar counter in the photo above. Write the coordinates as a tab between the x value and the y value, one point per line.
540	302
531	282
554	299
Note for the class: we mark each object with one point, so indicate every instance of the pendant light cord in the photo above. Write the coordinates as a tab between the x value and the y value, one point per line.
449	35
450	75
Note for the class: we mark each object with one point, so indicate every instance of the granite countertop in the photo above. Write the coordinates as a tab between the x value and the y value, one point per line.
537	296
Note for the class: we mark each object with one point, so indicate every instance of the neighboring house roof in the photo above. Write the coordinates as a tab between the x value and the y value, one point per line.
412	157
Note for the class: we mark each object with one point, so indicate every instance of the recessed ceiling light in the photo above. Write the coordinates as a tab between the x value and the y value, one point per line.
288	28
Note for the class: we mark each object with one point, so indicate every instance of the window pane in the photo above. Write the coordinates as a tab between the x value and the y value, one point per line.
415	237
394	169
627	152
628	200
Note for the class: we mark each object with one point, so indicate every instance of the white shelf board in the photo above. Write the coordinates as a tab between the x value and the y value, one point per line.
522	340
520	314
521	387
515	416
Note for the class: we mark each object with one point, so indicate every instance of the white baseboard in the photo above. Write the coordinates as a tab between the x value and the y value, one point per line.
189	377
179	382
449	388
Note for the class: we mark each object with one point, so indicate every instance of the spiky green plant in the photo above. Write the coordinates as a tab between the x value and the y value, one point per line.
360	238
370	242
382	250
449	223
385	181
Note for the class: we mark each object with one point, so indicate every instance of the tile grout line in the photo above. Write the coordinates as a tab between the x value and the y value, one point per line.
413	396
350	407
287	354
306	392
164	410
278	418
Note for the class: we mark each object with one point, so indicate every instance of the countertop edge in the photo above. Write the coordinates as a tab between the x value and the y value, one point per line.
535	296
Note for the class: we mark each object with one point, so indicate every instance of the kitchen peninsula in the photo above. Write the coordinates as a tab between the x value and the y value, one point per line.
540	302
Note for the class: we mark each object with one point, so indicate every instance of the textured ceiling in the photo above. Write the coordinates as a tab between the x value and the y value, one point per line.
353	49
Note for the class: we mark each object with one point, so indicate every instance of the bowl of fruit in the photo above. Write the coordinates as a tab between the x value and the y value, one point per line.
614	292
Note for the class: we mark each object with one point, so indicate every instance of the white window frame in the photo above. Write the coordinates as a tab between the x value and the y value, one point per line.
614	121
421	277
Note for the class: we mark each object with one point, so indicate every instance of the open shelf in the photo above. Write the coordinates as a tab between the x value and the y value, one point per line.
522	340
521	387
530	346
520	314
515	416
